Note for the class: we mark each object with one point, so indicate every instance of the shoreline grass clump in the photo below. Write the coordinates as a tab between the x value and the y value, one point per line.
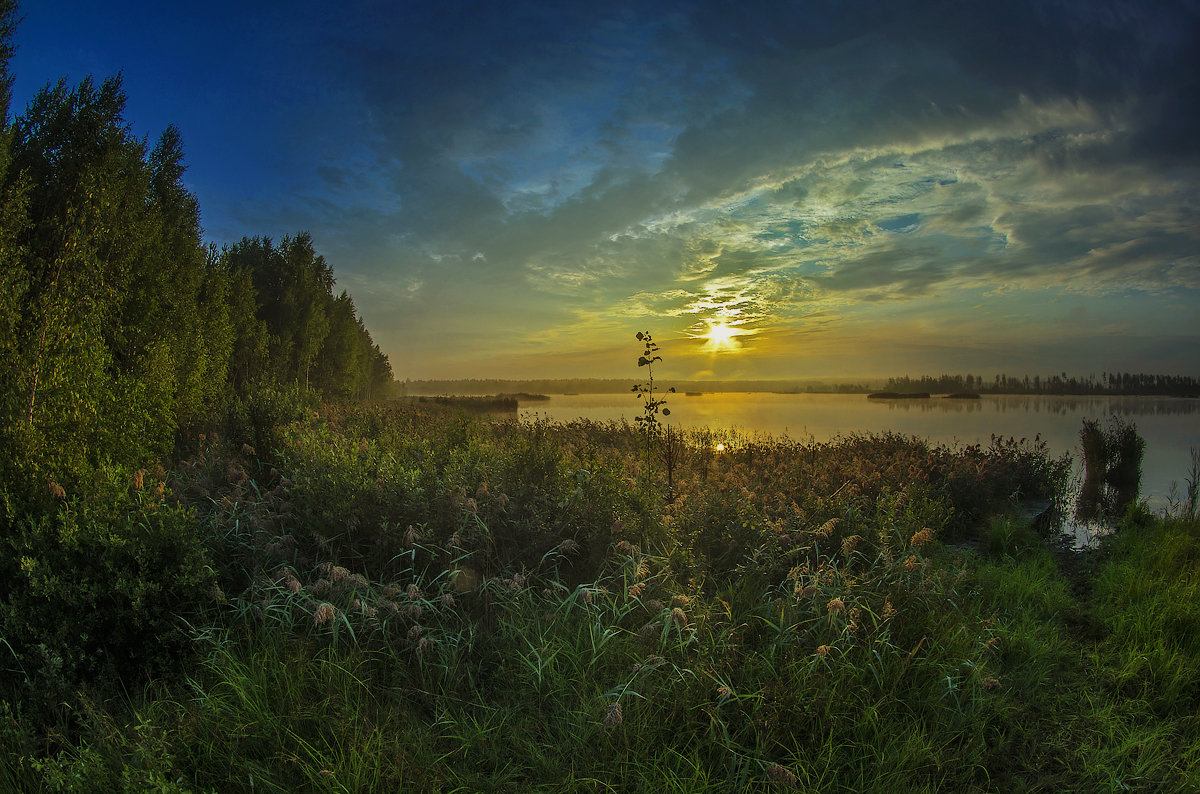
407	597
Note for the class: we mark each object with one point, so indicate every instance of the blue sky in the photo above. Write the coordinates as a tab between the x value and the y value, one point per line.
842	189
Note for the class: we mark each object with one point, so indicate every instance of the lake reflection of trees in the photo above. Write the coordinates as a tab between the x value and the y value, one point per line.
1051	404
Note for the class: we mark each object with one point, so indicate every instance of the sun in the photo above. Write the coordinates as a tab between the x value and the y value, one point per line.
722	337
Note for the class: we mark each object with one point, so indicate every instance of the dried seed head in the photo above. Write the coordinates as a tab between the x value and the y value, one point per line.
56	490
990	683
781	776
836	605
922	537
324	614
568	546
411	535
826	529
139	478
912	563
635	591
849	543
679	617
613	715
823	651
680	600
414	592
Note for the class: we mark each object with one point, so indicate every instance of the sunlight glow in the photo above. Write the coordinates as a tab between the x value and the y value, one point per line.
722	337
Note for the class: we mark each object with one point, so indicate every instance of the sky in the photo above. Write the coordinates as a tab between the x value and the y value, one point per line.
827	189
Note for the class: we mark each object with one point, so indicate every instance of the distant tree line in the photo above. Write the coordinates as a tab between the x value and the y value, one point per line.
1107	383
118	327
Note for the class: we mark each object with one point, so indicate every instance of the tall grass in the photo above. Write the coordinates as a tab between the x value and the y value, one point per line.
424	601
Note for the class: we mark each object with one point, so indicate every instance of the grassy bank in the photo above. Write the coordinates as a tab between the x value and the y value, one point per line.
406	598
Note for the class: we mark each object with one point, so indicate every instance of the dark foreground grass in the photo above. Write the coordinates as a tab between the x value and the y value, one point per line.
426	602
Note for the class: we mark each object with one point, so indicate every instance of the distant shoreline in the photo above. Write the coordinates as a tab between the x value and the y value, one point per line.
528	390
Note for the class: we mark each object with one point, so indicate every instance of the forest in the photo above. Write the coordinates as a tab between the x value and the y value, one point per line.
121	333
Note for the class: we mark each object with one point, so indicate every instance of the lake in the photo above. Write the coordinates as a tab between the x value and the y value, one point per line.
1170	425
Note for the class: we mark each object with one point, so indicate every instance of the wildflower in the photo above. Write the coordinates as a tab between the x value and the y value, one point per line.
612	715
781	776
57	491
823	651
679	617
325	613
636	590
836	605
922	537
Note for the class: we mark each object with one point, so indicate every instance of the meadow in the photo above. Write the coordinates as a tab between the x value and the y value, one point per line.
403	596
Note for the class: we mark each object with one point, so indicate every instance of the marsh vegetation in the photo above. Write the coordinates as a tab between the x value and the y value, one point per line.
408	596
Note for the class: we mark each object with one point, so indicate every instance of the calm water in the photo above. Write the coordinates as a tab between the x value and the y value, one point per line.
1171	426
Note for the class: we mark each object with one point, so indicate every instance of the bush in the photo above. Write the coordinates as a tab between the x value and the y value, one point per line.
97	587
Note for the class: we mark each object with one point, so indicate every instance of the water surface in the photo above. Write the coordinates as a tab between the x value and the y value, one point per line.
1170	425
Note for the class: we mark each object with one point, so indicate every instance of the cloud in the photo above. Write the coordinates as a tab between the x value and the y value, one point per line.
573	170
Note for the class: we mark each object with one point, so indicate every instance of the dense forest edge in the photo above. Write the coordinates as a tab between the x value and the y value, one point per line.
226	564
122	333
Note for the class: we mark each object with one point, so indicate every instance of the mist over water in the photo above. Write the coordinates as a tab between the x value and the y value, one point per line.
1170	425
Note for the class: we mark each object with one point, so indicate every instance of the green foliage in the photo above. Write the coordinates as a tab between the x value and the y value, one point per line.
97	588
